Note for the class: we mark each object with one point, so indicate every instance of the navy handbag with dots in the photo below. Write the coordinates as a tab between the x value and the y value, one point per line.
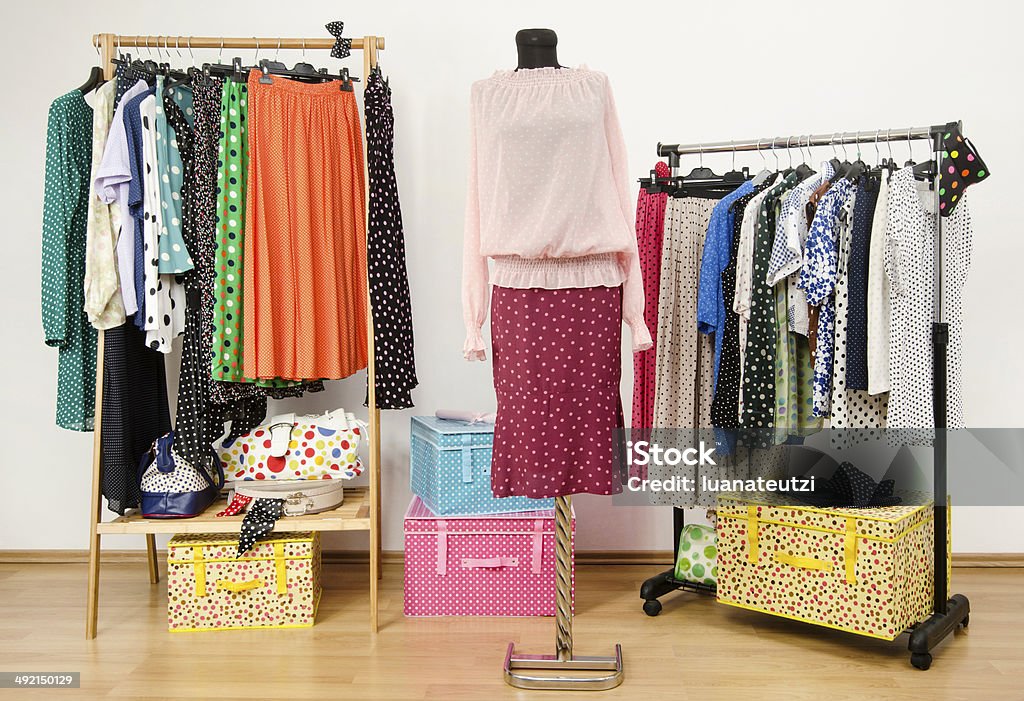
174	488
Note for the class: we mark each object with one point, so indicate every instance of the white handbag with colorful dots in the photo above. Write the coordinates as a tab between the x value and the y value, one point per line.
290	447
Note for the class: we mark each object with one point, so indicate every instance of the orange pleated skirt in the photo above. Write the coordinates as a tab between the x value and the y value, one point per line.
304	282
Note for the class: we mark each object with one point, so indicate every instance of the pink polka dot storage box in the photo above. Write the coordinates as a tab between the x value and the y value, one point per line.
490	565
450	469
862	570
276	584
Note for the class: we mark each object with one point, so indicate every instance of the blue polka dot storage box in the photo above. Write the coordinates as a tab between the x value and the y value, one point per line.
450	469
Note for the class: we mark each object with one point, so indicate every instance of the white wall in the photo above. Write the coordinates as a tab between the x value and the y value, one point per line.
714	72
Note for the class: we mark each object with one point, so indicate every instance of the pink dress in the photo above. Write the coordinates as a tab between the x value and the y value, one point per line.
650	229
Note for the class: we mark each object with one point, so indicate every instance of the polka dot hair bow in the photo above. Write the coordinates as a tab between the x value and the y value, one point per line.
342	47
960	167
259	522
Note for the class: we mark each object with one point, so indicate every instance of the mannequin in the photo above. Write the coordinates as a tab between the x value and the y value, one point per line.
537	48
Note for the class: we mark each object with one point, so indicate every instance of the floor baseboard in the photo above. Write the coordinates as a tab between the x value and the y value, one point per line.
355	557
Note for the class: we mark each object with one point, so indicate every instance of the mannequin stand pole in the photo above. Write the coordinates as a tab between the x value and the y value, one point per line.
563	669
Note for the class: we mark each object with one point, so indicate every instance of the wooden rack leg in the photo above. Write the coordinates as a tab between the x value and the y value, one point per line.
154	565
95	505
369	61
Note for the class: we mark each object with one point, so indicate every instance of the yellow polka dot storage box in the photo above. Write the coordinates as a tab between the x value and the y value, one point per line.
862	570
450	469
276	584
488	565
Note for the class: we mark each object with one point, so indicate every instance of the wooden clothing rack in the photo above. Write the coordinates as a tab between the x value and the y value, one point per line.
362	507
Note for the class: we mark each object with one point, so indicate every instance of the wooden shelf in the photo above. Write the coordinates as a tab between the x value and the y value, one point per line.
352	515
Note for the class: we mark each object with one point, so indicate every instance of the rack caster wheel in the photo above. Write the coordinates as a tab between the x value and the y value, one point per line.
652	607
921	660
966	621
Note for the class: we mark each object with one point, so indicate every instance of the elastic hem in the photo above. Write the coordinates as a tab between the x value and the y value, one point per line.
599	270
543	76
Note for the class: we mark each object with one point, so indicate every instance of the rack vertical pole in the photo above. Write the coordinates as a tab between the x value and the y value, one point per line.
563	577
106	48
373	422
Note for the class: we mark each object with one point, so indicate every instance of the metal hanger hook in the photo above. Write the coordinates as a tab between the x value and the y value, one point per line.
764	161
278	49
910	147
188	45
303	49
842	142
159	53
888	143
832	143
256	57
789	151
733	143
878	154
221	52
700	155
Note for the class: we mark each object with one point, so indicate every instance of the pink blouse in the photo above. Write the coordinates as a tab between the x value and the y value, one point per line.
548	195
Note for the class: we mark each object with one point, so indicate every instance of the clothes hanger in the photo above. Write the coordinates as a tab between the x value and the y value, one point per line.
910	150
836	163
700	173
804	170
736	177
765	173
183	78
95	76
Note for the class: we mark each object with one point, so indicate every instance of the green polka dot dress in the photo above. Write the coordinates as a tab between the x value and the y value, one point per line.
65	216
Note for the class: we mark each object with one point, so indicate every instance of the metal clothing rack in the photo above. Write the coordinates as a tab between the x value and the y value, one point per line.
362	507
949	611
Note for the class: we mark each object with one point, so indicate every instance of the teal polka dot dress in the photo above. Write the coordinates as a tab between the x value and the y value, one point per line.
65	214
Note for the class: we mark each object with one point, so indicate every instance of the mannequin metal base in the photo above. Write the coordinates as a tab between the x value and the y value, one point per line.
929	634
578	673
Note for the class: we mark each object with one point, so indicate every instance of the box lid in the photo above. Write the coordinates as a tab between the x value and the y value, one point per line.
452	433
420	519
876	522
450	426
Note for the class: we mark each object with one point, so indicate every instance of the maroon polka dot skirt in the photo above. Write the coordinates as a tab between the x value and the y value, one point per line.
557	358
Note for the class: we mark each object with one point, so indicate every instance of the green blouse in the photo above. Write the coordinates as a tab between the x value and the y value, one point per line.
65	215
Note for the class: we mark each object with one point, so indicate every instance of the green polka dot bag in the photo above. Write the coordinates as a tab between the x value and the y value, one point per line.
697	559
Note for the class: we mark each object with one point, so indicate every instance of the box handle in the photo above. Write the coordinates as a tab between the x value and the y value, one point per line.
752	552
199	566
239	586
538	545
467	466
808	563
442	547
477	563
850	550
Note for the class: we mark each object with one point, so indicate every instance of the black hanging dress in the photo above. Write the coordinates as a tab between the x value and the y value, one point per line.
394	356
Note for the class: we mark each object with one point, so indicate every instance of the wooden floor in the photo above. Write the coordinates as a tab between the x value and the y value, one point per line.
696	649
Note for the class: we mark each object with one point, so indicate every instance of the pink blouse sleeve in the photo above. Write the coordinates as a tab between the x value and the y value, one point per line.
633	287
475	289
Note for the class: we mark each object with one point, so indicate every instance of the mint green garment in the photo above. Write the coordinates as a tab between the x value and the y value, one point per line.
174	256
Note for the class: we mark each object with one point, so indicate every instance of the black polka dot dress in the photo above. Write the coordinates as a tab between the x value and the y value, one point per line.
725	405
199	420
394	357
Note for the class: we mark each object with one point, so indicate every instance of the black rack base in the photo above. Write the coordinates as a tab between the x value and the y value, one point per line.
925	637
660	584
